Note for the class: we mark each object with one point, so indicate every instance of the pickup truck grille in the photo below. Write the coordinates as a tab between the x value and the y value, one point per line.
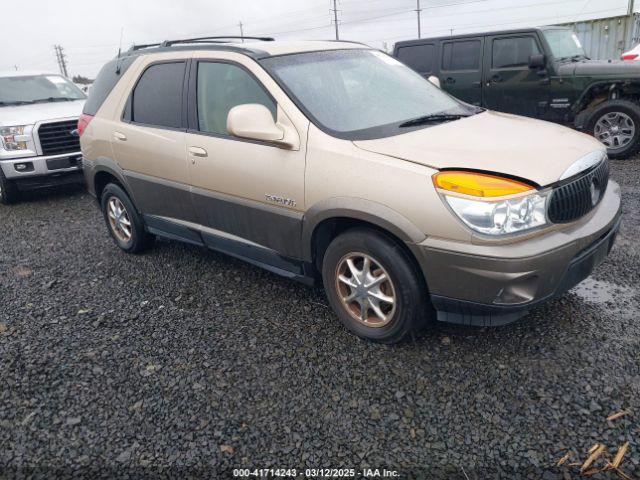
578	197
56	138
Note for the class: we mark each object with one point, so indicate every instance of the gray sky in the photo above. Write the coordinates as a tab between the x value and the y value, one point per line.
90	30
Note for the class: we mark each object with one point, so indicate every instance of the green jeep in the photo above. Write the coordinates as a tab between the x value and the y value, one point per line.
537	72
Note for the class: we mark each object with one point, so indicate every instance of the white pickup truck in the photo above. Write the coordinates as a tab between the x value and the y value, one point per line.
39	145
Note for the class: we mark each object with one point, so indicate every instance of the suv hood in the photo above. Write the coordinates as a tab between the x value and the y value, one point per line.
604	68
494	142
37	112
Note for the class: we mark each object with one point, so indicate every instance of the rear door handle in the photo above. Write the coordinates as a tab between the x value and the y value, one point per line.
198	151
120	136
496	78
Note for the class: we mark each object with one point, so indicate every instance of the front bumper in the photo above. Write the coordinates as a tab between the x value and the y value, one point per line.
41	165
491	285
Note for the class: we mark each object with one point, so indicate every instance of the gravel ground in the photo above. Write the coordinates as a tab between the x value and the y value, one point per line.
184	362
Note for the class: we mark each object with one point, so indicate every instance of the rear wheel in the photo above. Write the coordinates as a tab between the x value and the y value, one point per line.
374	287
616	123
8	191
123	221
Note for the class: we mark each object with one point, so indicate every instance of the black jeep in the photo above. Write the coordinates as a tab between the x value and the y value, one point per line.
537	72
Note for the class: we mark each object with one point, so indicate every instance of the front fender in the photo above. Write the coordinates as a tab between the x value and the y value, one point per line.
357	209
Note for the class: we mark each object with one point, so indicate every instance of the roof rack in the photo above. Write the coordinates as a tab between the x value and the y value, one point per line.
142	46
220	39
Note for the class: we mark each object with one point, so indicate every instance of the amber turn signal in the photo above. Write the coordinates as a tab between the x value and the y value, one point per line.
478	184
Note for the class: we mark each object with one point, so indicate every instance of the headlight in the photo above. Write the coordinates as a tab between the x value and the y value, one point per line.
523	209
13	138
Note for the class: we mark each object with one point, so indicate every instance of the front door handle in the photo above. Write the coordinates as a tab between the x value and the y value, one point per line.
120	136
198	151
450	80
496	78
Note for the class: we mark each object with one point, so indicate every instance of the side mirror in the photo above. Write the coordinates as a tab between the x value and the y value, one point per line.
537	61
255	122
435	80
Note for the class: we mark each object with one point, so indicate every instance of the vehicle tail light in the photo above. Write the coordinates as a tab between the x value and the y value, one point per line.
83	121
630	56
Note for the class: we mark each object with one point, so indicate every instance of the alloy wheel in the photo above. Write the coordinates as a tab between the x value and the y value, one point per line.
365	289
615	130
119	220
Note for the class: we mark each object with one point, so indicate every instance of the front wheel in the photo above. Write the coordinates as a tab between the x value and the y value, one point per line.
374	287
8	191
616	123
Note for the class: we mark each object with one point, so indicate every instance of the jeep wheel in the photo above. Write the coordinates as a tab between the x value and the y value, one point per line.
374	287
616	124
124	222
8	191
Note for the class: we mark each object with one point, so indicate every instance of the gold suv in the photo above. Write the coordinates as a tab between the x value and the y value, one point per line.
333	161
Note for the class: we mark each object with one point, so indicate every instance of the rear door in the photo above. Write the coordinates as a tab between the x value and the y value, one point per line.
461	68
149	142
509	84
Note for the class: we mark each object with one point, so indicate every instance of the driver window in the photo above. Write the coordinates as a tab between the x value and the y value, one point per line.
222	86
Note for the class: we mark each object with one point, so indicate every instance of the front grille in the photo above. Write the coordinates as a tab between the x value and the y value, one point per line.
578	197
56	138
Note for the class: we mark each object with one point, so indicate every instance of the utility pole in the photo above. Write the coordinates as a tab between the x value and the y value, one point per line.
241	31
418	10
62	60
630	8
335	19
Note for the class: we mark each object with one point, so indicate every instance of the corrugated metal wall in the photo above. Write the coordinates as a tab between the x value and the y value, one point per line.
608	38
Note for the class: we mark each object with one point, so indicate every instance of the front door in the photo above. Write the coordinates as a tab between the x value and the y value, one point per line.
461	69
248	191
509	84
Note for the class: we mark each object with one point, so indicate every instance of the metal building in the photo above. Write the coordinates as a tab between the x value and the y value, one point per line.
608	38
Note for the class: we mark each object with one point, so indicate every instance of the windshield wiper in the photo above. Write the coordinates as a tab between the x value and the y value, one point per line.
17	102
52	99
433	118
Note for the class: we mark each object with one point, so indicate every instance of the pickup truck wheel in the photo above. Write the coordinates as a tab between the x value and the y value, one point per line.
374	287
123	221
616	123
8	191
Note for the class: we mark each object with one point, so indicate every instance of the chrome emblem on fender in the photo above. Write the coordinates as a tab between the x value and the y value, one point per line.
287	202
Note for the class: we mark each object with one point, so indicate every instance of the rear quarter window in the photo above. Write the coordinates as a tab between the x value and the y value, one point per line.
418	57
104	83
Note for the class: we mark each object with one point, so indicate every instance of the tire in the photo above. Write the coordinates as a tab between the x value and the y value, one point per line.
9	193
615	116
118	211
411	309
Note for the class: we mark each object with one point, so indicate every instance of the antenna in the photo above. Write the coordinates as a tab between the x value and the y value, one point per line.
119	52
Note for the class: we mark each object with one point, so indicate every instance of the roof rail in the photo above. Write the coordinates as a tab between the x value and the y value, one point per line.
135	47
220	39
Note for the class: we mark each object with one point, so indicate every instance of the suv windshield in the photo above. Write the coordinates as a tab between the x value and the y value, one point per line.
564	44
25	89
359	94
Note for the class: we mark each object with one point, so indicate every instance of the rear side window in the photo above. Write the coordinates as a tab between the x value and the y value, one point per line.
222	86
157	97
462	55
105	82
513	52
418	57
